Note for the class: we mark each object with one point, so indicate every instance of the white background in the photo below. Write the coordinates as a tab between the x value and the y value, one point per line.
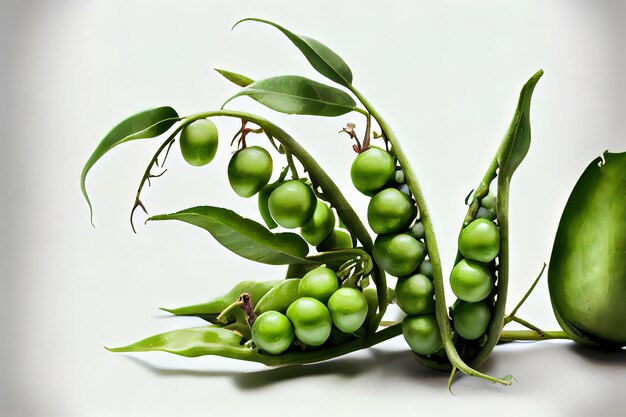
446	75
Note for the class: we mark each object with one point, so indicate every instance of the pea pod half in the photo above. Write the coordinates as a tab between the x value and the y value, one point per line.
587	274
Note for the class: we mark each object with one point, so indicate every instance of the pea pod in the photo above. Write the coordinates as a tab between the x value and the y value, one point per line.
511	152
279	297
587	273
211	309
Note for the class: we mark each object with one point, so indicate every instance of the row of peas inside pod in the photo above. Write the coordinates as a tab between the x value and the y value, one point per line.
309	312
399	247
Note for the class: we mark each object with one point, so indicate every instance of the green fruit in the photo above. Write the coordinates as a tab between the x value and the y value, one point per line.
272	333
390	211
319	283
426	268
321	224
422	334
280	297
348	309
249	170
311	321
292	204
480	241
416	230
587	272
471	281
400	254
471	319
372	170
489	201
198	142
338	239
415	294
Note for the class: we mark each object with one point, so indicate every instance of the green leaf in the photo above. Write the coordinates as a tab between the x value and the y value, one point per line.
233	77
147	124
244	237
322	58
516	142
211	309
293	94
194	342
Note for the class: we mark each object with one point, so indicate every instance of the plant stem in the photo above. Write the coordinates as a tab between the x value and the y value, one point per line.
530	290
513	335
431	243
523	322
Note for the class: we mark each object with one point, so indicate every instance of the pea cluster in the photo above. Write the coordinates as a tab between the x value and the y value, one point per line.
399	247
473	277
307	310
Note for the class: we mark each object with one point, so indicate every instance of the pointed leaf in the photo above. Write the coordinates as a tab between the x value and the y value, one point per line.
194	342
293	94
147	124
516	143
233	77
322	58
244	237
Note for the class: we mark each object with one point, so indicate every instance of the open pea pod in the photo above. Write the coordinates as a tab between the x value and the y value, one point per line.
587	273
481	272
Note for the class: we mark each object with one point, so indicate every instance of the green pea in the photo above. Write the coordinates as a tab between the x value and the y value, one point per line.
415	294
198	142
471	281
484	213
372	170
319	283
311	321
292	204
390	211
471	319
426	268
321	224
338	239
272	333
422	334
348	309
489	201
480	241
416	230
399	254
249	170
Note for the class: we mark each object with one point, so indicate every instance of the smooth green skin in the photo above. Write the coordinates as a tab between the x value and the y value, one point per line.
399	254
489	201
319	283
426	268
348	309
587	272
280	297
471	281
485	213
272	333
415	294
416	230
321	224
422	334
311	321
249	170
198	142
390	211
372	170
338	239
292	204
471	319
480	241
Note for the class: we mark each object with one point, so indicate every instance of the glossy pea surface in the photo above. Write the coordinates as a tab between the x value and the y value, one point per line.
399	254
319	283
338	239
198	142
422	334
471	319
415	294
249	170
311	321
292	204
348	309
480	241
390	211
321	224
280	297
471	281
272	332
372	170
